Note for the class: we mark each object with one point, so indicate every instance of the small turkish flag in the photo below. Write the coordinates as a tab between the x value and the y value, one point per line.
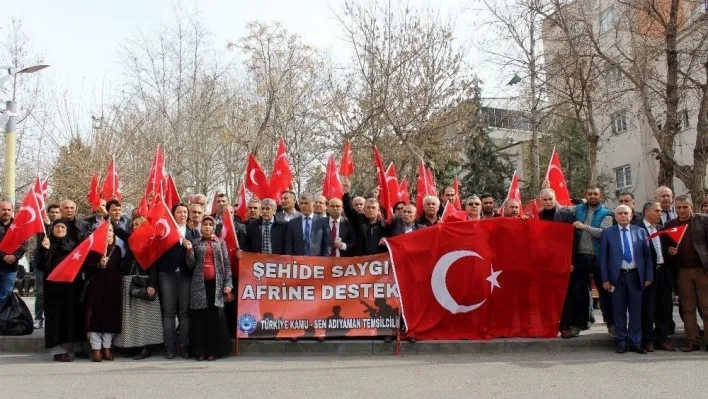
556	180
142	209
242	204
281	177
674	233
157	234
67	269
27	222
157	174
171	193
40	194
450	214
458	200
332	186
384	196
392	183
346	168
514	192
94	196
229	233
111	185
256	180
403	194
489	279
426	186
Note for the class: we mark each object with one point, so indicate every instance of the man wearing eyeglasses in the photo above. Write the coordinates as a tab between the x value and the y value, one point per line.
473	208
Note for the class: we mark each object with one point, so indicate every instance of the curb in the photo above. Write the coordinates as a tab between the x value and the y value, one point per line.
366	347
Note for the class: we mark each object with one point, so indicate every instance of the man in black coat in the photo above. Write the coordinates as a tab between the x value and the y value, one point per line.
77	230
369	227
657	297
551	211
406	223
8	262
266	226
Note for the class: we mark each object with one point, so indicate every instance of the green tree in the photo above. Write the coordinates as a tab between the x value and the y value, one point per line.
572	146
72	175
486	168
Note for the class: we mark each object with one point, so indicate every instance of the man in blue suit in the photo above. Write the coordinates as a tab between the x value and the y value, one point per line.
626	267
307	234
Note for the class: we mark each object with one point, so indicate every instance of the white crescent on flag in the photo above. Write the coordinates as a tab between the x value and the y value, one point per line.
33	214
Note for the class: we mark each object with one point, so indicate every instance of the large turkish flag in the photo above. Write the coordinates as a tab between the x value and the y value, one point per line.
501	277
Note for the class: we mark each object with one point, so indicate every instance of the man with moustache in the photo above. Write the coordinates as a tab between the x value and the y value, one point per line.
341	230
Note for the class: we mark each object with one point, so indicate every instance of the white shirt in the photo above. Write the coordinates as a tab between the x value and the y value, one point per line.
656	242
339	223
632	264
408	229
182	230
671	215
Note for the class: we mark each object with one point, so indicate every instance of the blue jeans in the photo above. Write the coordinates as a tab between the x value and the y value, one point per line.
7	284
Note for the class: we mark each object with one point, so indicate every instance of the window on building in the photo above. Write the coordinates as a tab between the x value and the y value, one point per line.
682	120
623	176
695	9
608	20
619	122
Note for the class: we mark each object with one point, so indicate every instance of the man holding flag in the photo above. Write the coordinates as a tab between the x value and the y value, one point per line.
8	261
689	258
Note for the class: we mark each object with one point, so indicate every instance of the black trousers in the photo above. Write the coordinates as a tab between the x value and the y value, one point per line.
657	308
577	299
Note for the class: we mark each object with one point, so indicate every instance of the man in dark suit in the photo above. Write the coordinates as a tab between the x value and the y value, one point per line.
689	261
552	212
266	234
341	231
368	226
626	268
657	298
406	223
307	234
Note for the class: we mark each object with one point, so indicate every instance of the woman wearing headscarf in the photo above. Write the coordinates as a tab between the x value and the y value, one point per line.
174	279
211	280
141	323
103	304
63	313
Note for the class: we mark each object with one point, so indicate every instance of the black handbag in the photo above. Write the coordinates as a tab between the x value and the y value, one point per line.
139	286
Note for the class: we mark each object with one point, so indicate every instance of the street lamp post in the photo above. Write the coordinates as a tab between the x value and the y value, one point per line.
10	131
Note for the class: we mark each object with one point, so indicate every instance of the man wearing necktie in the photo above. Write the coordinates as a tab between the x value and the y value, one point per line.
341	234
626	267
665	197
657	301
307	234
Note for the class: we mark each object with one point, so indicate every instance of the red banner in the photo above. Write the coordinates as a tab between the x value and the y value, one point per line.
307	296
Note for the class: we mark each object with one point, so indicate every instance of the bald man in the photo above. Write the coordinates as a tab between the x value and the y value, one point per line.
341	230
77	230
8	262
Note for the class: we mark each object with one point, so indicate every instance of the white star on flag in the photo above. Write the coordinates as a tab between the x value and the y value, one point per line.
561	184
278	172
77	256
13	227
493	278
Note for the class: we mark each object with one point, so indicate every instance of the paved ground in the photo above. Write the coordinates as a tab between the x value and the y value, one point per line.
585	375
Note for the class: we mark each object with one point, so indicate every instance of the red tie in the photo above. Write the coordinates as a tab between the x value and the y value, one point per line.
333	237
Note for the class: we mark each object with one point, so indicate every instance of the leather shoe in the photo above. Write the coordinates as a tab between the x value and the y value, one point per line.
638	349
107	354
96	355
667	347
621	349
169	354
63	357
649	347
143	354
691	348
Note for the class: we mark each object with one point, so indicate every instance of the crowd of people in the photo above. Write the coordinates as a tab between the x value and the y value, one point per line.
185	300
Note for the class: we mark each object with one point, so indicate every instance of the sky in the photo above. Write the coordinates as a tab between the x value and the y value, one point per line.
81	39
